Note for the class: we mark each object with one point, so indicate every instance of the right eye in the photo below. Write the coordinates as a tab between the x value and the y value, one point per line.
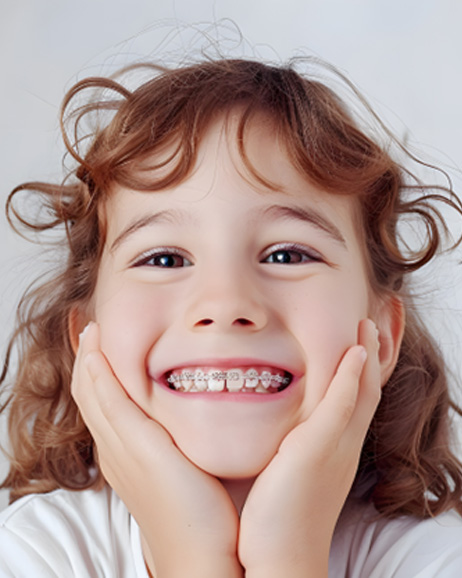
163	259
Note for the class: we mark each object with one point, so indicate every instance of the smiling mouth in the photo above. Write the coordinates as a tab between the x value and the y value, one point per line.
265	380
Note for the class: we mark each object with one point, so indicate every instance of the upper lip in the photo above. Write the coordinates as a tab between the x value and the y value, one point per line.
224	363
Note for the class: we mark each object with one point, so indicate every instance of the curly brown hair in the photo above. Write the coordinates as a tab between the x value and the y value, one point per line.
407	465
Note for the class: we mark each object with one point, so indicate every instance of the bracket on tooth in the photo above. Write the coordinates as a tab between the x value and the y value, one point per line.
233	375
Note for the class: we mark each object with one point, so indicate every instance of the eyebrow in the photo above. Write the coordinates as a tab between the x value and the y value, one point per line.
169	216
307	215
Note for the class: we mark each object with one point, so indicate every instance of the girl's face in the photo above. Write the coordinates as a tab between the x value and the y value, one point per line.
220	275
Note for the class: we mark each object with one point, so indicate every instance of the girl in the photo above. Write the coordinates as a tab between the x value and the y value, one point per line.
252	392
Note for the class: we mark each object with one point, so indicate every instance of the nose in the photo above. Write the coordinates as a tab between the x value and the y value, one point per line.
223	302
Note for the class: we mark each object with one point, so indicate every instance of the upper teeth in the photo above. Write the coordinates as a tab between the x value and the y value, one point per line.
232	380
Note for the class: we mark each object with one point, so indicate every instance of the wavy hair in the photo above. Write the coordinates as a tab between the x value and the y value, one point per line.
407	465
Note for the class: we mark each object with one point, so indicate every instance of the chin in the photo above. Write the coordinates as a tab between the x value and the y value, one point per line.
228	460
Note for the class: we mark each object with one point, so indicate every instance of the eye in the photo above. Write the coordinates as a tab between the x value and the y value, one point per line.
163	259
291	255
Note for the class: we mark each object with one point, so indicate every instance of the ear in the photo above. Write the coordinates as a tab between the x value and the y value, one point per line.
76	323
390	321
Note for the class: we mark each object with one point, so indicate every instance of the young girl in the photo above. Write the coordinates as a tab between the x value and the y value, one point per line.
228	376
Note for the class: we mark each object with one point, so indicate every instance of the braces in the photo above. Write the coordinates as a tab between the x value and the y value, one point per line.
231	375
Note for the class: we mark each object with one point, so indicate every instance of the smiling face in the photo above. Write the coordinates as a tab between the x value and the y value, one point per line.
218	276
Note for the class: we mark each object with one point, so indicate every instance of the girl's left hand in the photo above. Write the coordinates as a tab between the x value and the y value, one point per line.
289	517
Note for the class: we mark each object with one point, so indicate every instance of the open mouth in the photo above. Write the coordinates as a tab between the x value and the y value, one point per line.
265	380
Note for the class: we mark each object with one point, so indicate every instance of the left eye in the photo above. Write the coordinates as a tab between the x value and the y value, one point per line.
290	256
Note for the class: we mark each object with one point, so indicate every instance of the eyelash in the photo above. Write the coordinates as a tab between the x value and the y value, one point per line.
168	252
305	256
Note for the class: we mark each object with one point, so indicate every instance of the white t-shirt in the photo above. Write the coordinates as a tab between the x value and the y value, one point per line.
91	534
70	535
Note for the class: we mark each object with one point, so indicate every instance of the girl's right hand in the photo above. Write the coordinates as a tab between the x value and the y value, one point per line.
188	523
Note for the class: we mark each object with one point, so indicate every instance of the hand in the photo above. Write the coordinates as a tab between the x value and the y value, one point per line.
188	522
290	514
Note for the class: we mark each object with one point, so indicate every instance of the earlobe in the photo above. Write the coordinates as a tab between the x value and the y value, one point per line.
390	322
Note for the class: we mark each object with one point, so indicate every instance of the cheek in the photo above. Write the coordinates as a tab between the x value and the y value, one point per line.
327	311
325	324
131	320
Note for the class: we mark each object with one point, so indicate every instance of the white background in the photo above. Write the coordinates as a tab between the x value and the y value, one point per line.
405	55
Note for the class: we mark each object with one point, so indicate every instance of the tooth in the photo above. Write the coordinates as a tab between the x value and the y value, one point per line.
200	381
251	378
281	379
216	381
235	380
261	389
266	379
186	380
174	381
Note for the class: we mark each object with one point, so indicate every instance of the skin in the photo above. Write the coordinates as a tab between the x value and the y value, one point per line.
185	465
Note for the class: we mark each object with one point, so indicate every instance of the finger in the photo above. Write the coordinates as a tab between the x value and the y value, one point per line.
83	392
82	386
120	412
88	340
111	414
94	379
339	404
331	417
370	386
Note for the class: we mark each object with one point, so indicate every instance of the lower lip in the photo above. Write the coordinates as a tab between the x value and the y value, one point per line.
237	397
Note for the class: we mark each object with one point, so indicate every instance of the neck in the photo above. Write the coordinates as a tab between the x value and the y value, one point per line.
238	491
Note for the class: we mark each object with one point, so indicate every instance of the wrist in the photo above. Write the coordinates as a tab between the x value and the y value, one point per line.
194	564
302	562
199	567
314	569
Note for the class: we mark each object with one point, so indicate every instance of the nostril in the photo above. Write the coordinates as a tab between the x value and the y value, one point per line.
205	322
242	321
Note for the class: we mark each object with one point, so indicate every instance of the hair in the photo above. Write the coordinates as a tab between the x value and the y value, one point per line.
407	465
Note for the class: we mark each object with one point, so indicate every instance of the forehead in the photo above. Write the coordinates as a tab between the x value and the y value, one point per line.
247	176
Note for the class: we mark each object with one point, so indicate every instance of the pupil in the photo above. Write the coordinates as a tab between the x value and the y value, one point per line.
166	260
282	257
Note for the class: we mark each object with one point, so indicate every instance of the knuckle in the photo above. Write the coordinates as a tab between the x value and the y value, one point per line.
111	409
346	409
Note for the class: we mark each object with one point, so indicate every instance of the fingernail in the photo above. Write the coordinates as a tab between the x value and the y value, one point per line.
85	330
362	354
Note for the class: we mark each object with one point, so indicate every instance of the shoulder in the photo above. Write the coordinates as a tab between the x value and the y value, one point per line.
365	546
68	534
62	512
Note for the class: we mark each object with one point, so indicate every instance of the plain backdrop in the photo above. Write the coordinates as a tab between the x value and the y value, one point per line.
403	54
